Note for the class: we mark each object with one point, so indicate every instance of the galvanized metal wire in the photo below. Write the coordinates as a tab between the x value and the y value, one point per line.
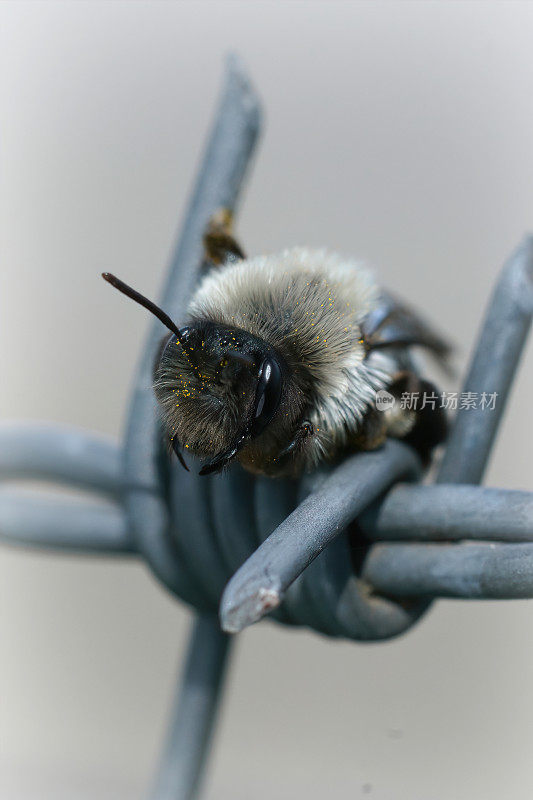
243	547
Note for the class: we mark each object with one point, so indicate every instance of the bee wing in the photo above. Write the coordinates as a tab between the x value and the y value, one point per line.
394	324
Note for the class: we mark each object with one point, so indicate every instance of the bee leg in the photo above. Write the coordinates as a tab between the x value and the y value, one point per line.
372	432
303	432
395	420
223	459
177	450
219	462
425	425
220	245
431	424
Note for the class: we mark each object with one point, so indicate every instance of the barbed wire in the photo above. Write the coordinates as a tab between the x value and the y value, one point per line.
243	546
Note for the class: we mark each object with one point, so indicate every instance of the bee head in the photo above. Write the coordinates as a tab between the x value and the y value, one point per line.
219	387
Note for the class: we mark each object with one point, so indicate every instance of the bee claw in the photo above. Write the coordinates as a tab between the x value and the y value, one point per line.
208	469
177	451
183	462
304	430
214	466
219	462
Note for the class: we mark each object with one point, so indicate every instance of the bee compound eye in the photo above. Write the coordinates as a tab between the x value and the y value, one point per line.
267	395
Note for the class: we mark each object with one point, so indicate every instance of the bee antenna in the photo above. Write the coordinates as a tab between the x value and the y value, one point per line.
143	301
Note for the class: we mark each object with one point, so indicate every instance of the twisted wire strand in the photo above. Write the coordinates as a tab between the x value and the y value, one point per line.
281	545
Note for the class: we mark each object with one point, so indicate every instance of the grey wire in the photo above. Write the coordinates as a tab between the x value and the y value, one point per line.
468	570
151	494
262	581
283	546
193	717
62	454
451	513
55	524
498	350
220	176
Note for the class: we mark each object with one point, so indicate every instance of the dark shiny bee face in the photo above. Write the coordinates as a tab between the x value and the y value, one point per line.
223	391
219	388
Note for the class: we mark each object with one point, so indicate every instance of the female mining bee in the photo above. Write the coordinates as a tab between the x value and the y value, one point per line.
280	359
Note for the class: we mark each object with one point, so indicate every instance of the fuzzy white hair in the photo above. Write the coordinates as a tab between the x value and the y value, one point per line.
312	303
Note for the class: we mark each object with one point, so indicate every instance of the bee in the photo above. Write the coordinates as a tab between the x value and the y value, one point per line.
281	357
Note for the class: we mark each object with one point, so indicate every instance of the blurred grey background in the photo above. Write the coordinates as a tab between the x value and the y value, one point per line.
398	132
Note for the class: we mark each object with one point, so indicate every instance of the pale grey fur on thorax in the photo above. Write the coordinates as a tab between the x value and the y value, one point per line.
315	301
337	417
